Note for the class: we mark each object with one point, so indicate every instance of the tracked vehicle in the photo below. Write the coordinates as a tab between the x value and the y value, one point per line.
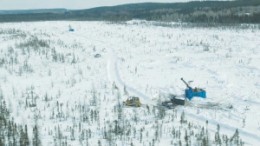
132	101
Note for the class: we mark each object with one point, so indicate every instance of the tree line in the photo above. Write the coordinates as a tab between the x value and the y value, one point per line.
239	11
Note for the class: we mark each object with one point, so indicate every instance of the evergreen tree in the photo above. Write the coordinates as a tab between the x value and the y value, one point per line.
36	136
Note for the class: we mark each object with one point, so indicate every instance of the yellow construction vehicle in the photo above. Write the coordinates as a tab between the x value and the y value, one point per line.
132	101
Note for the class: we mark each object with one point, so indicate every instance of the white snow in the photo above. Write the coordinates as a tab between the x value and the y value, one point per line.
137	59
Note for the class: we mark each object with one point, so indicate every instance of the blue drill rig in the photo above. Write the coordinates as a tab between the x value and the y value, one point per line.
189	94
192	92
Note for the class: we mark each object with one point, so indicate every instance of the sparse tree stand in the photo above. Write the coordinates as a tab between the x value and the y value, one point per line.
24	140
11	133
235	140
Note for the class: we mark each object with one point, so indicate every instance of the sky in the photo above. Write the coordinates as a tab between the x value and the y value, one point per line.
69	4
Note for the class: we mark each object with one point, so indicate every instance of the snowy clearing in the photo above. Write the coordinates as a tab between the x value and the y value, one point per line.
72	84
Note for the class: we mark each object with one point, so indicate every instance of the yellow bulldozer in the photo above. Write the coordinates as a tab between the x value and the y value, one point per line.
132	101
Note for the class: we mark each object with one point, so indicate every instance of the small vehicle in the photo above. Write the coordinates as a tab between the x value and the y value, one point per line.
191	92
71	29
132	101
174	101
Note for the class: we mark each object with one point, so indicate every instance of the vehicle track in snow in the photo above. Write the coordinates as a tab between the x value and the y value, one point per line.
254	138
113	71
114	76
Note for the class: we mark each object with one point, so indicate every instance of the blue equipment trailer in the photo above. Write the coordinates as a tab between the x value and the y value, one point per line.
192	92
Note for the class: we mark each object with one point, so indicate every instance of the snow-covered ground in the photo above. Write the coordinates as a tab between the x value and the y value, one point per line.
72	84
